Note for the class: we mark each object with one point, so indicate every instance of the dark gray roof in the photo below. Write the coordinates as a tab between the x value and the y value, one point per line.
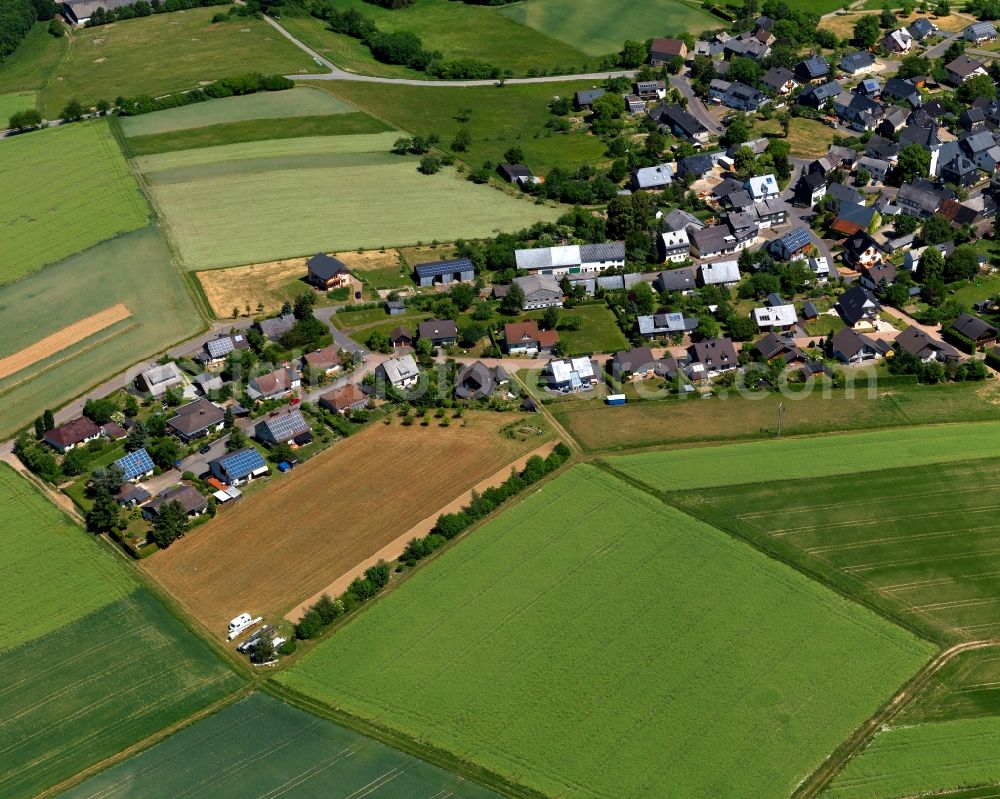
852	303
606	251
190	499
275	328
326	266
437	329
973	327
196	416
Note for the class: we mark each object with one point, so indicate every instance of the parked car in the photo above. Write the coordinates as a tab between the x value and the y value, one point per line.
205	449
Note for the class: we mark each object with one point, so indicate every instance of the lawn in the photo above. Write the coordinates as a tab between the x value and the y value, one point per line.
300	102
135	270
333	515
651	653
29	67
457	30
97	686
921	542
262	747
825	456
12	103
167	53
67	189
599	331
48	563
927	758
731	416
497	119
329	193
600	27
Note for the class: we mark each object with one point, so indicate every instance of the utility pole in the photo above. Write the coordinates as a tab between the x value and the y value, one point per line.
781	412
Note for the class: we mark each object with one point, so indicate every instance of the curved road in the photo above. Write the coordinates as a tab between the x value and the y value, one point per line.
336	73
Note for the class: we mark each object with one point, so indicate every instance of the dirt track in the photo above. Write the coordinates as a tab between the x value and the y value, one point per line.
62	339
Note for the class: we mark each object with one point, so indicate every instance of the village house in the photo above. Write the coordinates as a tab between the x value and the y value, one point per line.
963	68
571	375
214	351
809	190
239	467
273	329
279	383
664	325
737	95
853	218
794	243
674	245
980	333
775	317
681	123
820	268
861	250
634	364
345	400
780	80
924	346
634	104
326	360
857	63
979	32
898	41
850	347
720	273
922	28
74	433
877	276
652	177
812	69
456	270
157	380
477	381
135	465
401	373
762	187
911	259
326	272
651	89
524	338
582	100
439	332
819	97
196	420
858	308
714	356
684	280
281	427
191	500
663	50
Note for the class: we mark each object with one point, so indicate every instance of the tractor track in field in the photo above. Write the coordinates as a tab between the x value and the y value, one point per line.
816	782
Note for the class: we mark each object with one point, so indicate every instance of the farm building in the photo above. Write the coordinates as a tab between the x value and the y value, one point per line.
239	467
395	307
439	332
572	374
344	400
196	420
157	380
79	12
326	272
572	258
455	270
72	434
524	338
401	373
478	381
190	499
280	427
135	465
540	291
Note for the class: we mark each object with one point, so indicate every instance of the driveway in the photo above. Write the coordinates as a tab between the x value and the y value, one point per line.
695	106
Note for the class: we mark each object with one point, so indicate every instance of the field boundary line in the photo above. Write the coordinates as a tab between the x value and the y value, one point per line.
395	548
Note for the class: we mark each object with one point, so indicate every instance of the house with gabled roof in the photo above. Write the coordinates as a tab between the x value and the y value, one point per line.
571	258
810	189
684	280
877	276
924	346
664	325
680	122
674	245
191	500
157	380
273	329
540	291
326	360
135	465
273	385
637	363
861	250
241	466
196	420
795	242
282	426
715	355
326	272
980	333
585	99
215	350
663	50
858	308
439	332
922	28
345	399
525	338
762	187
813	68
980	32
963	68
853	218
780	80
857	63
898	41
819	97
719	273
851	347
652	177
902	90
74	433
775	317
734	94
401	373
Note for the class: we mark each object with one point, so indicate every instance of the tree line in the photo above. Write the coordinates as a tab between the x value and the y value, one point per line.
248	83
145	8
17	17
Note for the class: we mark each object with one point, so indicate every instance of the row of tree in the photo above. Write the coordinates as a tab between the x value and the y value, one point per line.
248	83
326	610
145	8
17	17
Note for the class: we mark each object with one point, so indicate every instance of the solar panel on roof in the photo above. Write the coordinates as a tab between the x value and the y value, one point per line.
135	464
287	425
242	462
220	346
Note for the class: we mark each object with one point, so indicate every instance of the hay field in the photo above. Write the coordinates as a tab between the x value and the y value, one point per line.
167	53
293	538
134	270
65	189
261	747
652	654
269	284
319	194
825	456
600	27
922	542
299	102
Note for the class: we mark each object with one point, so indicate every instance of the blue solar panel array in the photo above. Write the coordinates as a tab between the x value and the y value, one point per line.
242	462
135	464
287	426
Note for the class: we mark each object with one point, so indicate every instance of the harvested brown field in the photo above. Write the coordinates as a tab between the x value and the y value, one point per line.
843	24
62	339
290	540
269	284
367	260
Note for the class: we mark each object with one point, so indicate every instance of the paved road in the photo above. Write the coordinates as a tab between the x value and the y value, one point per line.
802	215
695	106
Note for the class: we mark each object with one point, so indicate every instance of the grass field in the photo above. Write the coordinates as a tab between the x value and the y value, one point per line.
29	67
92	688
262	747
599	331
752	462
167	53
47	562
729	416
134	270
927	758
457	30
338	509
86	195
652	654
498	119
929	553
12	103
300	102
599	27
333	193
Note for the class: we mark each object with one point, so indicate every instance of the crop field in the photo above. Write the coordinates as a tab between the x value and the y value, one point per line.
967	687
457	30
48	562
729	415
622	633
599	27
339	509
300	102
134	270
927	758
262	747
330	196
94	687
790	458
922	541
86	196
167	53
497	119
